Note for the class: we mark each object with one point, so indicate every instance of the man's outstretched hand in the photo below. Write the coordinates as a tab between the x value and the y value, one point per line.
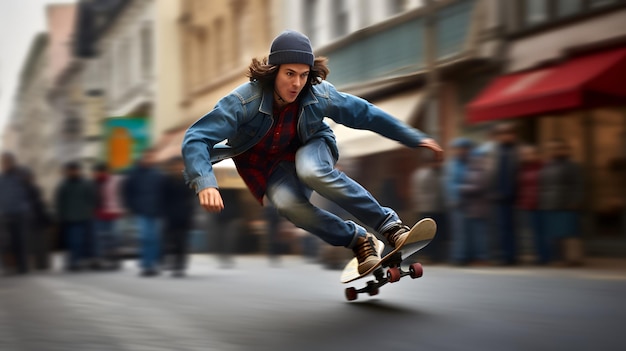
432	144
211	200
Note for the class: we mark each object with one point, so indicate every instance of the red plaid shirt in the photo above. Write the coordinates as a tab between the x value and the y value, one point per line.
279	144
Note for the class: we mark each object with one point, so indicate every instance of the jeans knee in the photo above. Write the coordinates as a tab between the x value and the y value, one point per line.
313	175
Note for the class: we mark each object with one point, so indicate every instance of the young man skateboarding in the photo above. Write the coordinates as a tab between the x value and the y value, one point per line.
283	150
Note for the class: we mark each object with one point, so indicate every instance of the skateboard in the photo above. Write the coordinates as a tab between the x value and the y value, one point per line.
389	269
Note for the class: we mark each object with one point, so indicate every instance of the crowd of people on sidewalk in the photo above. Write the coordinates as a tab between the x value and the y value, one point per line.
87	213
483	197
486	195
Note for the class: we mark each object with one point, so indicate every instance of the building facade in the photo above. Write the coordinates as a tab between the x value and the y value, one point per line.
30	122
558	77
37	120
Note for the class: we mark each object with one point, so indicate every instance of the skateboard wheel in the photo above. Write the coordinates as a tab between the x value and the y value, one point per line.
351	294
393	274
416	270
373	292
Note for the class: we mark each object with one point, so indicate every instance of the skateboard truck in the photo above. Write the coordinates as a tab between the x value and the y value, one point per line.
393	273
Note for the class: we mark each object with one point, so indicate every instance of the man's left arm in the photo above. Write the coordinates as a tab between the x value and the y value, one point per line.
358	113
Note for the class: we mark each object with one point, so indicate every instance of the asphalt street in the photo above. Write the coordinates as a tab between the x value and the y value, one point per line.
301	306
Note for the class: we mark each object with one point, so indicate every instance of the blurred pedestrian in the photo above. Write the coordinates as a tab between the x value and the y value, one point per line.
109	209
39	223
528	199
143	196
428	197
14	214
274	242
284	151
560	198
75	201
179	203
229	223
502	165
456	172
474	203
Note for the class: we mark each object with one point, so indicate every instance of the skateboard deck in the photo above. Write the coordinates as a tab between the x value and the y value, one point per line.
389	269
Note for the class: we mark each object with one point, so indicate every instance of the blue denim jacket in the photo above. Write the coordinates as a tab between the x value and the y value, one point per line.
244	116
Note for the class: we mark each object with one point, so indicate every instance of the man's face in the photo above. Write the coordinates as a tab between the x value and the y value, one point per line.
290	80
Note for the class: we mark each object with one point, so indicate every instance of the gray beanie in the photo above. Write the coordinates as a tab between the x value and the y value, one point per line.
291	47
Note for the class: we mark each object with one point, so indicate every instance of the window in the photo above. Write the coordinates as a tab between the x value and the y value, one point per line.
600	3
72	126
124	68
309	16
364	15
536	12
146	51
220	53
341	16
200	58
565	8
396	6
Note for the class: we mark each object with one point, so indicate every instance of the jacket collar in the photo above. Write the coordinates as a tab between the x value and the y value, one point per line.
267	100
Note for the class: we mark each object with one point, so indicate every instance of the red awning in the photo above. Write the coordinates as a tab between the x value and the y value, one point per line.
593	80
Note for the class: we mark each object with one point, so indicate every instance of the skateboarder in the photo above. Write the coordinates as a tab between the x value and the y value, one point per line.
283	150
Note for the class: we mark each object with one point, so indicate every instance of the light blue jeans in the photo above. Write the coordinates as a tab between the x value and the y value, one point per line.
150	236
291	184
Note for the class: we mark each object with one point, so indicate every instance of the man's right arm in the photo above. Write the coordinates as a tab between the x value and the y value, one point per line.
214	127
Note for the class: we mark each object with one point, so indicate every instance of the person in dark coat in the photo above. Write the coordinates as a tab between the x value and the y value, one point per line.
560	196
143	196
228	227
502	169
474	205
14	214
455	174
75	201
179	203
427	189
528	198
39	223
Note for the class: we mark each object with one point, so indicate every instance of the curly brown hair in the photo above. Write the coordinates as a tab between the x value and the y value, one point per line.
261	71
